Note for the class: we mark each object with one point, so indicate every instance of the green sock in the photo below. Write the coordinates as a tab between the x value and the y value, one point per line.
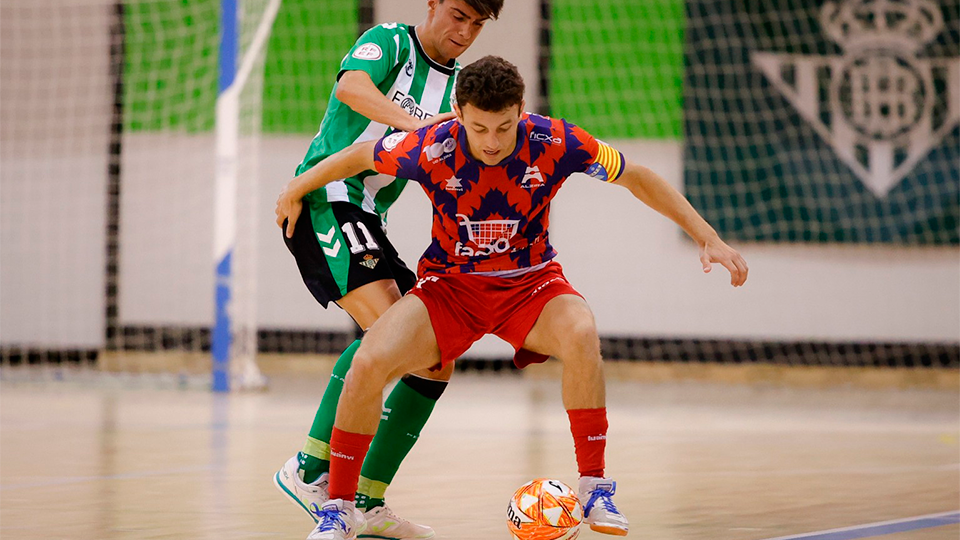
315	456
404	414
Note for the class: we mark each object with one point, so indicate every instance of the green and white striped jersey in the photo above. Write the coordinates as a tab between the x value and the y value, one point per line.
393	57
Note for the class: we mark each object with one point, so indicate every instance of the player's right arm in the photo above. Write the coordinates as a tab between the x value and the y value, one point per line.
357	91
348	162
369	62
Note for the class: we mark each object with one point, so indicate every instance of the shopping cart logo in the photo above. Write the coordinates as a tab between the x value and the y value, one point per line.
490	236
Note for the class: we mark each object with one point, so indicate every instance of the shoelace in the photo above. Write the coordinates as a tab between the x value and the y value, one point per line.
604	496
328	519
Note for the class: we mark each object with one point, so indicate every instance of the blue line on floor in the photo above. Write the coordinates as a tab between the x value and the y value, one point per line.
880	528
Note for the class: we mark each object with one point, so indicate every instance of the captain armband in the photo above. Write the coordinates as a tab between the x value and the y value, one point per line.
609	164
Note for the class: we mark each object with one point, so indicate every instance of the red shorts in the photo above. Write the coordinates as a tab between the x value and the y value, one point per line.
465	307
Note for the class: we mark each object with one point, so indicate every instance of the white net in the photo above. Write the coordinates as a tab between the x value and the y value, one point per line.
825	122
108	193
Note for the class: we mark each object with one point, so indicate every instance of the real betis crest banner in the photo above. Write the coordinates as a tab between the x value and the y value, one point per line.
824	121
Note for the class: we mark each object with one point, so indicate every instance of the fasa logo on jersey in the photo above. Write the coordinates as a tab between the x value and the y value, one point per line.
391	141
532	178
409	105
453	184
368	51
439	150
545	138
876	102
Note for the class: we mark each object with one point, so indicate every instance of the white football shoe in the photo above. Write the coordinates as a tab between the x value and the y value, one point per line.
309	497
596	496
338	520
383	523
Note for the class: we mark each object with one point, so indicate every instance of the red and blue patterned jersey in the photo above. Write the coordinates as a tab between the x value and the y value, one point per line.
493	218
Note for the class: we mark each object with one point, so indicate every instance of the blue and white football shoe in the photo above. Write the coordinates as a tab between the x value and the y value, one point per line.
596	496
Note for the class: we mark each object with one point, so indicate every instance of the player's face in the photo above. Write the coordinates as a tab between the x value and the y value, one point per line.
492	136
451	27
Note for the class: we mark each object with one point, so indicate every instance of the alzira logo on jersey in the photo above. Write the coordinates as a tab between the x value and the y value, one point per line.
876	104
532	178
491	236
409	105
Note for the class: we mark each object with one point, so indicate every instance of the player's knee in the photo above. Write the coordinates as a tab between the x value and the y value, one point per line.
580	339
367	370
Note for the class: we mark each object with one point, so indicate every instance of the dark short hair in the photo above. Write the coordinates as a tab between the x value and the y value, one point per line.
490	84
486	8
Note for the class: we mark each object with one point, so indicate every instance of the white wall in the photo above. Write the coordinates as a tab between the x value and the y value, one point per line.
55	100
638	272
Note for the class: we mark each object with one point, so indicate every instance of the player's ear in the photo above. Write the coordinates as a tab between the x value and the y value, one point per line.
456	109
523	107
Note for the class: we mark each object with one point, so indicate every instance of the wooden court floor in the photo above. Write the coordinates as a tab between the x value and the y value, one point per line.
692	460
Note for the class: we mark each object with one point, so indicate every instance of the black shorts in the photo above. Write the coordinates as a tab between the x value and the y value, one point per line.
339	247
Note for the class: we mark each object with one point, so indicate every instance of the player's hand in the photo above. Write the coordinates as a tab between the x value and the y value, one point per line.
716	251
288	209
435	119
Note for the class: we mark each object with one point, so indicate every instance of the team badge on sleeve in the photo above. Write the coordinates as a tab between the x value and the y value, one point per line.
609	163
391	141
368	51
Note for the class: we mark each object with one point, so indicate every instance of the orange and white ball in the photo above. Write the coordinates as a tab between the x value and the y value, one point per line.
544	509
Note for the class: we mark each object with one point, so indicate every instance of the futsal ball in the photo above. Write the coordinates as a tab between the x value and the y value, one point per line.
544	509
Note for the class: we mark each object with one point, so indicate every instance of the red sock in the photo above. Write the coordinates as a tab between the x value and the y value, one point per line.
589	428
347	451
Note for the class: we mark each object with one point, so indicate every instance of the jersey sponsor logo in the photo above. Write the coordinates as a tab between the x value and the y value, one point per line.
408	69
409	105
545	138
391	141
532	178
368	51
454	184
597	171
490	236
440	150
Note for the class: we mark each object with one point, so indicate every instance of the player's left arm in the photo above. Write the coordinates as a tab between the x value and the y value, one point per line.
656	193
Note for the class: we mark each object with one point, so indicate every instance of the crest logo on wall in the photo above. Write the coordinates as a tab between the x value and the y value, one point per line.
880	105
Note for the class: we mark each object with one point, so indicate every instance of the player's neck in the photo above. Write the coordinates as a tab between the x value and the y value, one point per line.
426	39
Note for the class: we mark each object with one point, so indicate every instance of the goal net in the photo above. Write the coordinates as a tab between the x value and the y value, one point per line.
114	205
